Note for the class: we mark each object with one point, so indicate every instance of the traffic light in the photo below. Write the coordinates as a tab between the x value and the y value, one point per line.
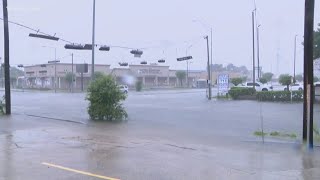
44	36
104	48
136	53
74	46
123	64
87	47
161	61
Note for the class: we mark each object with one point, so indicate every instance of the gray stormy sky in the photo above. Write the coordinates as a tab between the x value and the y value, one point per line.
167	26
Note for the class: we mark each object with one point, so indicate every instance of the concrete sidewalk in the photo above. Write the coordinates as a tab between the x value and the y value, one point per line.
36	148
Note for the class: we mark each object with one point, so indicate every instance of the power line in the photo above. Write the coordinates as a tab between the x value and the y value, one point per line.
113	46
35	30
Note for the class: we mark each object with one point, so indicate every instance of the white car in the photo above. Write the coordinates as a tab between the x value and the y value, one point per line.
294	87
124	88
258	86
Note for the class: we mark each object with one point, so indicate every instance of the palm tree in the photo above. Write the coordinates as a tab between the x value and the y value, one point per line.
181	75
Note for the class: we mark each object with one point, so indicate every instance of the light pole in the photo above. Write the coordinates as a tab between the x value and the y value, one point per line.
294	58
188	64
55	66
6	58
211	46
209	73
253	52
72	73
93	38
1	72
258	50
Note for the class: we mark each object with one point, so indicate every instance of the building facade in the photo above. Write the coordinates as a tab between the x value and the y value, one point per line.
43	76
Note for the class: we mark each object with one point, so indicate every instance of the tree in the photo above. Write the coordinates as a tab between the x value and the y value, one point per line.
285	80
299	77
268	76
316	43
315	79
244	78
181	75
105	99
231	67
69	77
98	75
263	80
217	67
236	81
14	74
139	86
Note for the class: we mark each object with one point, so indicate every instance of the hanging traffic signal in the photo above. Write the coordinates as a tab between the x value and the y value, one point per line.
136	53
104	48
161	61
44	36
123	64
87	47
144	62
74	46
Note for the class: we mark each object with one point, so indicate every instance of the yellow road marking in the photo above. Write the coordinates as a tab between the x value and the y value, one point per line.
79	172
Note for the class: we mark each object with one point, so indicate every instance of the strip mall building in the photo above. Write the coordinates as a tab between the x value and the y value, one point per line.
43	75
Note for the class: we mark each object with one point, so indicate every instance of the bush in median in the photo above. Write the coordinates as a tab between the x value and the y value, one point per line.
105	98
237	92
280	96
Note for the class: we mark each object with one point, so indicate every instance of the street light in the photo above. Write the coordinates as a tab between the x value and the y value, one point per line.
209	70
188	64
211	39
93	38
55	66
294	58
258	50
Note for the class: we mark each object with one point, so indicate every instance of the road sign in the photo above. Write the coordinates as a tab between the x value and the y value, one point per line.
223	84
82	68
184	58
56	61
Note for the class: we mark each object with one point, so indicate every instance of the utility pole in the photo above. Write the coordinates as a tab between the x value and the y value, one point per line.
72	73
258	50
188	64
55	70
253	53
209	73
294	59
1	72
308	92
93	39
211	57
6	58
188	73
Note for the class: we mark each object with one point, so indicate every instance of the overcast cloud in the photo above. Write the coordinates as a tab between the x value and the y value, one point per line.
166	27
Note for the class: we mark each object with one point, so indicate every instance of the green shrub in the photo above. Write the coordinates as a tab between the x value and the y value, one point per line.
275	133
280	96
259	133
105	98
138	86
236	92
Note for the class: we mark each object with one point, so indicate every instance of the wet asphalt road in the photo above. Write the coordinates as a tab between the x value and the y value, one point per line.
169	135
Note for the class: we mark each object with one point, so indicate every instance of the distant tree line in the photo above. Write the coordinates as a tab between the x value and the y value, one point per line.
230	68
